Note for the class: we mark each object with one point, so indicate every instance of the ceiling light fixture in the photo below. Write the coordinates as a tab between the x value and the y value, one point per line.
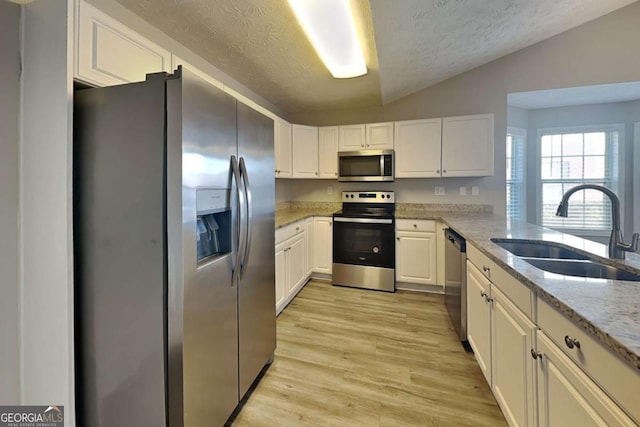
330	27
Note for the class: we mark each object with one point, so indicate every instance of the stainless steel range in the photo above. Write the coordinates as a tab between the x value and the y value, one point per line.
364	251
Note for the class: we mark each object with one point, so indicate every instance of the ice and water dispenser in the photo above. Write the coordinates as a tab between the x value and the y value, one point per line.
214	222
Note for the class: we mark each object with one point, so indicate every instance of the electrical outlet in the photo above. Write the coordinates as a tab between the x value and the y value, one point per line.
439	191
463	191
475	190
329	190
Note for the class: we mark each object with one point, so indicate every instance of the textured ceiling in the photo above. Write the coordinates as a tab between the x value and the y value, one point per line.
423	42
417	42
260	44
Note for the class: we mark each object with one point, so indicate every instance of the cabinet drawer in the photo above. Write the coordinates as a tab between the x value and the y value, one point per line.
519	294
415	225
617	377
281	234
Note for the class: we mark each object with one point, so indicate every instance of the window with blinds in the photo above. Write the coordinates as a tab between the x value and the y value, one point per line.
575	157
515	173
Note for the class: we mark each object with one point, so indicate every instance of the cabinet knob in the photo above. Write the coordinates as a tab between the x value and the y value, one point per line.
536	354
437	170
486	269
483	294
316	173
398	239
336	173
571	342
415	225
362	145
297	228
444	171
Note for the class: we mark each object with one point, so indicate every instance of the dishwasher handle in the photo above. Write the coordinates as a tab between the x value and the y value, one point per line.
455	239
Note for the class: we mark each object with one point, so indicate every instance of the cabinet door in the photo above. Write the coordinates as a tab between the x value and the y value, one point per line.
417	148
416	257
512	336
295	262
322	245
282	138
328	152
108	53
467	145
479	318
567	397
352	137
379	136
308	238
281	275
305	151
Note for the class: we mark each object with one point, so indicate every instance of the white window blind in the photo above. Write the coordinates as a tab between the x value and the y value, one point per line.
575	157
515	173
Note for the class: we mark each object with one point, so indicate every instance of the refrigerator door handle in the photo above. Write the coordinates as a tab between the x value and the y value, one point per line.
249	217
239	238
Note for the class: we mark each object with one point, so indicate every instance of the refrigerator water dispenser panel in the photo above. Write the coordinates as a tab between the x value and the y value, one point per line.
213	226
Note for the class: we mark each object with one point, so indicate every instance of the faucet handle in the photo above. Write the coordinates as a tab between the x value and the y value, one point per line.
630	247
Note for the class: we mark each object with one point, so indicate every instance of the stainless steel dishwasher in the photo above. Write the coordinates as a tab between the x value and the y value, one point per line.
455	282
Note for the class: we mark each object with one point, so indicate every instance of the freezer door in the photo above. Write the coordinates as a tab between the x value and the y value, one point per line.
256	290
202	295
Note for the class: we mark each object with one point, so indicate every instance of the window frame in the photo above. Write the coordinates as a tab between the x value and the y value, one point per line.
620	180
519	132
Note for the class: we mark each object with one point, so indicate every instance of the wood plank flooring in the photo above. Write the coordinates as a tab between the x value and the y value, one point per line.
351	357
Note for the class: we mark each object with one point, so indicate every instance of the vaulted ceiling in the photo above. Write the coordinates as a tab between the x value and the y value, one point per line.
409	44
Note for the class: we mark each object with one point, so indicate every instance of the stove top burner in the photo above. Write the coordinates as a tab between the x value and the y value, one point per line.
377	204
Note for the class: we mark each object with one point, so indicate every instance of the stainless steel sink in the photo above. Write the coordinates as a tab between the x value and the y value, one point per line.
538	249
582	268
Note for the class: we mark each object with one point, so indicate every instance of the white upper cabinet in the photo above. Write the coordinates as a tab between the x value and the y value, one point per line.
282	141
352	137
379	136
467	145
108	53
305	151
417	148
328	152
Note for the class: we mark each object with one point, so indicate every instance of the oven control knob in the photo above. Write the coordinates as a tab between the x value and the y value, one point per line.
376	250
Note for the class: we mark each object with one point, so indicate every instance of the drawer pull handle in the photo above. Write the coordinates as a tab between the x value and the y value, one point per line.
483	294
486	269
571	342
536	354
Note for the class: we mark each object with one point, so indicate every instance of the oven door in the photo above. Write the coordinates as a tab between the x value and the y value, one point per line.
364	241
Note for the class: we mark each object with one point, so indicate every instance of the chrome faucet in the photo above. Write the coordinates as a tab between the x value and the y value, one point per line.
617	247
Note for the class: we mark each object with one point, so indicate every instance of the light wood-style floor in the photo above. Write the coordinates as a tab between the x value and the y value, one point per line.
350	357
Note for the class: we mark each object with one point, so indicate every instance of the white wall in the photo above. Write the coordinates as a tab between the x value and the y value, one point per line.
47	370
597	52
9	113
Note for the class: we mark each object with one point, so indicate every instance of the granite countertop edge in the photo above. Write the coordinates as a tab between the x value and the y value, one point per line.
479	227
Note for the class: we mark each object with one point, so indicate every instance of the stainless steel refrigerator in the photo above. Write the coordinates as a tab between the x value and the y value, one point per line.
174	262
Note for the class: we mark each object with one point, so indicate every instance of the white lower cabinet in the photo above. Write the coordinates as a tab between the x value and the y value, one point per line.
568	397
322	245
291	272
512	367
281	275
549	373
479	318
416	251
308	250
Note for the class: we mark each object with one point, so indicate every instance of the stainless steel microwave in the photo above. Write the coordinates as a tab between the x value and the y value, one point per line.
365	165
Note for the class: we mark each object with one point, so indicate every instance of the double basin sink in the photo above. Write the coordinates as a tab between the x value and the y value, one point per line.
556	258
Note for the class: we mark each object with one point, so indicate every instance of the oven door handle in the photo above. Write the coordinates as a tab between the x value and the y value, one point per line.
363	220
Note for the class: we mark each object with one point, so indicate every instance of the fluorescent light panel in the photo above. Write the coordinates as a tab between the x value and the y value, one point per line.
330	27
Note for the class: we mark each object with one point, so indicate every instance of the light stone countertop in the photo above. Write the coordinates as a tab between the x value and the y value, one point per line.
608	310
